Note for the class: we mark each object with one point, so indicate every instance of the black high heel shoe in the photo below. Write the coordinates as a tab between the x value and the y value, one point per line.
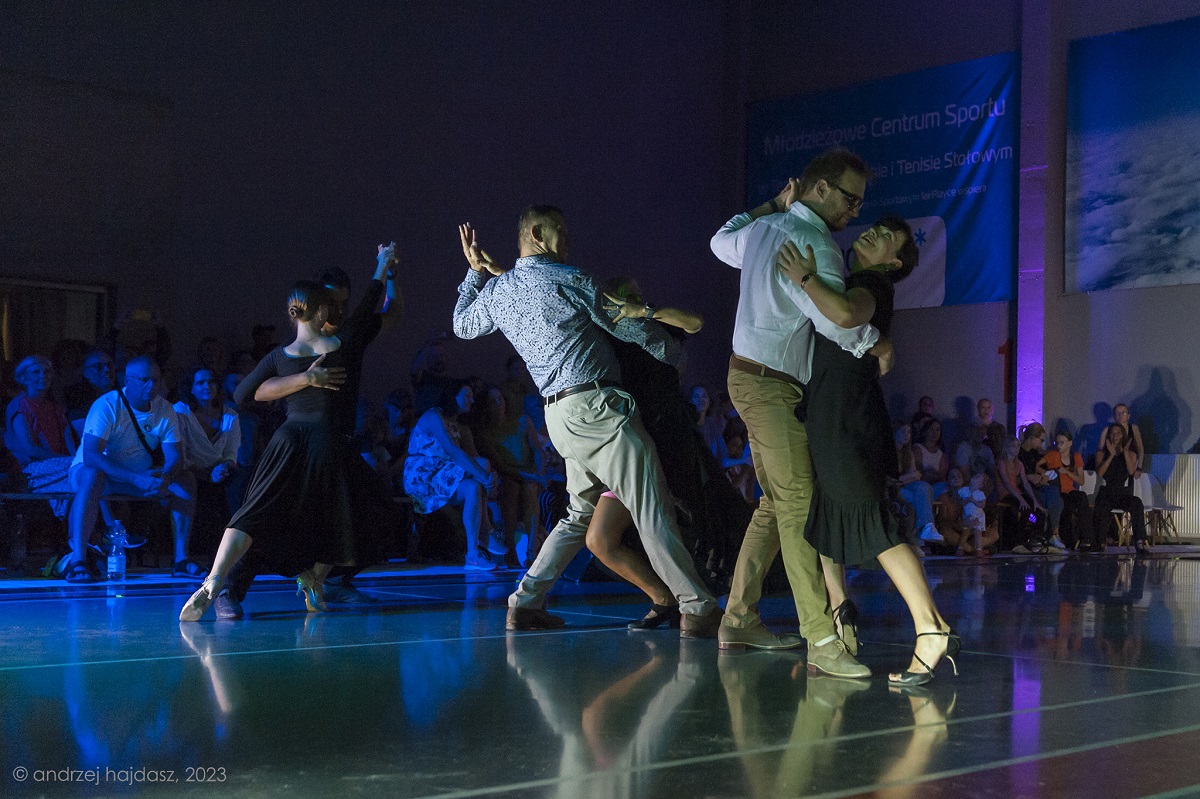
914	678
657	616
845	618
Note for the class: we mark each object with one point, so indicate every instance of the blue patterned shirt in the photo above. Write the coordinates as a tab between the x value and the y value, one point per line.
553	315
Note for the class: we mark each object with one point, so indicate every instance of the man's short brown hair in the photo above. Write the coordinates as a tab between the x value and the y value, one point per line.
829	166
533	215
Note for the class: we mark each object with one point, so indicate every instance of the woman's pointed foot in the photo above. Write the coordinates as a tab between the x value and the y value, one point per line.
939	645
657	616
194	608
313	591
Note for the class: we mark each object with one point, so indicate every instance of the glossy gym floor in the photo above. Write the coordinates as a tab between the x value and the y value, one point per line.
1078	677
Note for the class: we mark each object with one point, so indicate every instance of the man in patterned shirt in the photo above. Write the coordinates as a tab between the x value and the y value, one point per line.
552	315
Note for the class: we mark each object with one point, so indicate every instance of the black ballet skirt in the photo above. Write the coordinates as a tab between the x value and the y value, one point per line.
297	509
850	439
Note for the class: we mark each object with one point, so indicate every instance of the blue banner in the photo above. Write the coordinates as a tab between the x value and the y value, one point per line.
943	147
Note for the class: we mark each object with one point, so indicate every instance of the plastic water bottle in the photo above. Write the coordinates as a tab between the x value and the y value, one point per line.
116	554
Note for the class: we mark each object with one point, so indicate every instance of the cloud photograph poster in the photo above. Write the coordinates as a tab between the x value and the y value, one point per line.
1133	159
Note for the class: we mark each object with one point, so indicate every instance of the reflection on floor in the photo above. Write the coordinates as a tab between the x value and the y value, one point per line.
1079	677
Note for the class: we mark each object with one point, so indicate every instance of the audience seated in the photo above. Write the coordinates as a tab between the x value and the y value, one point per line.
736	460
994	432
122	436
1133	437
1116	464
1065	469
258	420
913	489
974	456
37	432
521	397
929	456
371	440
212	435
1045	488
925	410
514	450
439	471
401	416
99	376
1017	504
962	518
710	422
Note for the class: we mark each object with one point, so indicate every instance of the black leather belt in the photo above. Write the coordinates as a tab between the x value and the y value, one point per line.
579	389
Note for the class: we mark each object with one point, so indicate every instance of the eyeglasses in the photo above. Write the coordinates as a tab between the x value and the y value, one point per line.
144	379
852	200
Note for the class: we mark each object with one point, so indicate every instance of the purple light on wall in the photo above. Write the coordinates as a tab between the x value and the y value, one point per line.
1031	299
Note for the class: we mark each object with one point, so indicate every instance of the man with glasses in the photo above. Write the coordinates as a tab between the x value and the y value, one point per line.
99	377
772	360
121	436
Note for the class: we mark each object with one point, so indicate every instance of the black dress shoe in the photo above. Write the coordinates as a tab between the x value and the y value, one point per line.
227	607
657	617
532	619
701	626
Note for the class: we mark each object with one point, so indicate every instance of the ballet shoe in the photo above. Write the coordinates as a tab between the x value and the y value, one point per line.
917	678
194	608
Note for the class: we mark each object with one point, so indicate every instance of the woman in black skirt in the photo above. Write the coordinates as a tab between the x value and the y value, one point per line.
849	436
297	508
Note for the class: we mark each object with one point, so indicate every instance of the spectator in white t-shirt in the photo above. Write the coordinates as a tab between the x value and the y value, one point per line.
115	459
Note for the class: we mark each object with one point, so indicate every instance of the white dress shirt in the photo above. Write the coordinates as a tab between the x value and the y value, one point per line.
201	451
775	317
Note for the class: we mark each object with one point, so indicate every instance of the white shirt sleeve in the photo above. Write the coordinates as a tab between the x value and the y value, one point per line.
855	340
168	428
101	419
231	435
729	243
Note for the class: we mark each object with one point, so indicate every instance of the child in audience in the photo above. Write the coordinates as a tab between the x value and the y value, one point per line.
961	517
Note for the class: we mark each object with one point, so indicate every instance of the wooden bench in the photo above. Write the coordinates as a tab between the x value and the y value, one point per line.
64	496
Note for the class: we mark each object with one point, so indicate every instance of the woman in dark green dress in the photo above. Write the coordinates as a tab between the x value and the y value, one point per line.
850	438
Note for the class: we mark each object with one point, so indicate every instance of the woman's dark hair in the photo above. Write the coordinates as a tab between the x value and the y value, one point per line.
908	252
334	278
448	399
306	297
189	380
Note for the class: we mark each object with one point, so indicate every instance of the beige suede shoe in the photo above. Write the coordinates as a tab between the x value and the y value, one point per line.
834	660
756	637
